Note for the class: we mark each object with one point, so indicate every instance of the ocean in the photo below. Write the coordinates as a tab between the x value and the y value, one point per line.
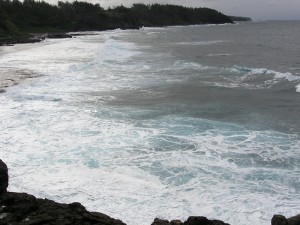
162	122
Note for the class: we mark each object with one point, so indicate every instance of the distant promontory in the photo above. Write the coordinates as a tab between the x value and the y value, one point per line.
22	18
240	18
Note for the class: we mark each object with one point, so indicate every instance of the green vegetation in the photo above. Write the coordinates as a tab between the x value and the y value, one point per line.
20	18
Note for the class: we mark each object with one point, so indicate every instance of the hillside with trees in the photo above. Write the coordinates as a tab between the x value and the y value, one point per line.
19	18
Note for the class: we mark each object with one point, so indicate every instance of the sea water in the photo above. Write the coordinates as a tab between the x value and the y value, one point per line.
159	122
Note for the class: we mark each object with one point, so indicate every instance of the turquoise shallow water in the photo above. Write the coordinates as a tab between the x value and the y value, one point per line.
158	122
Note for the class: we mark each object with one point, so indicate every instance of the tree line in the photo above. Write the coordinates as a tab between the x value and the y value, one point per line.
30	16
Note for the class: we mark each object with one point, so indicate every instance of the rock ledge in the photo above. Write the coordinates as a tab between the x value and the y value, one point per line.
25	209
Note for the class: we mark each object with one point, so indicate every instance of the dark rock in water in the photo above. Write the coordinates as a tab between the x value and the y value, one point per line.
176	222
21	208
218	222
198	220
18	40
3	177
282	220
295	220
160	222
59	35
279	220
201	220
193	220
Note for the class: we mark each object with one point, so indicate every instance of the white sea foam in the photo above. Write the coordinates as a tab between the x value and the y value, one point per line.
298	88
152	28
277	75
184	26
201	42
259	72
117	167
219	54
63	140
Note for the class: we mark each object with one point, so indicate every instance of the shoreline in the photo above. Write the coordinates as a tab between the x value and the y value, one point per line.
31	81
33	38
22	208
12	76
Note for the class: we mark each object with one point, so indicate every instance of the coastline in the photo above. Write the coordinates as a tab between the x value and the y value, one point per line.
26	209
21	79
12	76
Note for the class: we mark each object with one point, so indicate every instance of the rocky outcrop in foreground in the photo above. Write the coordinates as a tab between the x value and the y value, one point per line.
282	220
25	209
3	177
192	220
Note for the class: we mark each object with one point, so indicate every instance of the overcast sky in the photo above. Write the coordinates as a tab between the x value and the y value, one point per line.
256	9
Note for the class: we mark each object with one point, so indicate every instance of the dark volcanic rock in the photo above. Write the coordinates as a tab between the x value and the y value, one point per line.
24	209
282	220
59	35
3	177
160	222
295	220
219	222
192	220
176	222
19	40
198	220
279	220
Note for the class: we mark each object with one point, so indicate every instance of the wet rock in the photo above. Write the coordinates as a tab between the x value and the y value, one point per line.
219	222
295	220
3	177
279	220
193	220
59	35
176	222
201	220
158	221
25	209
18	40
198	220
